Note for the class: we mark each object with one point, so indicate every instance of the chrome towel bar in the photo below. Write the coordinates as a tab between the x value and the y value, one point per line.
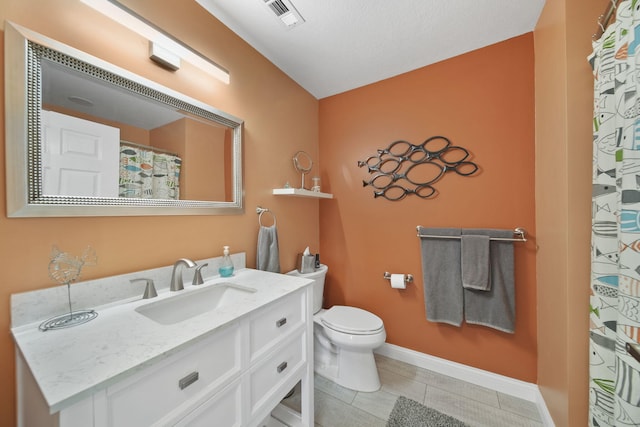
518	232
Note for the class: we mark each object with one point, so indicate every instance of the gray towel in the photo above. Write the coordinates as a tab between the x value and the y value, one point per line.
495	308
267	254
443	292
475	262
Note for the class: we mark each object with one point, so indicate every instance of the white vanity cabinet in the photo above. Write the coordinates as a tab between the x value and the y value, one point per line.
234	376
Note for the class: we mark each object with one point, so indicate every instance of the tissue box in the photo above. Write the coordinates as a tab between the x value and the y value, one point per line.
306	263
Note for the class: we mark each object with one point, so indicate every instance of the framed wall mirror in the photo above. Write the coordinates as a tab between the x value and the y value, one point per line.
87	138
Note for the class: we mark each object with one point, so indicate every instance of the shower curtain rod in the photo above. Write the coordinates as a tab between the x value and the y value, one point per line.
147	147
605	18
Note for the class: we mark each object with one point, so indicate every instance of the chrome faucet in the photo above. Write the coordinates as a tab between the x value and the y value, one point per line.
177	284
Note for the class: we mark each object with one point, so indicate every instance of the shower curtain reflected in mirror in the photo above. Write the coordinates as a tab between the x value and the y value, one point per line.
614	375
147	174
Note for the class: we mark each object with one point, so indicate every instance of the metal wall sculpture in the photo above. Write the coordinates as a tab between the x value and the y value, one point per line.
404	168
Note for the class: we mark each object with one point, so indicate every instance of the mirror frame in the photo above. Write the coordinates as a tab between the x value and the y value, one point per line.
24	51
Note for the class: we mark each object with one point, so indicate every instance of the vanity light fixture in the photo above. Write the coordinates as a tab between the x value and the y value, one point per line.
81	101
168	50
163	56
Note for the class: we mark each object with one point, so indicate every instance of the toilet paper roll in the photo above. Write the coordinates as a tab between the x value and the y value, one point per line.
397	281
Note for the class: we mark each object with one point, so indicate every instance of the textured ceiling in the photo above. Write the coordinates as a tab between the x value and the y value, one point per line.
345	44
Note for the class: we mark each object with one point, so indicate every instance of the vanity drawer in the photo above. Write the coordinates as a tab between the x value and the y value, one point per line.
270	374
272	324
181	381
222	410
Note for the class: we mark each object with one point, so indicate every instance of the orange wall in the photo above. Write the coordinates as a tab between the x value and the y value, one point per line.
564	108
259	93
206	169
482	101
201	148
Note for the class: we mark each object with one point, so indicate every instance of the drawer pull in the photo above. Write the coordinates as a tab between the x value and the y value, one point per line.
280	323
188	380
282	367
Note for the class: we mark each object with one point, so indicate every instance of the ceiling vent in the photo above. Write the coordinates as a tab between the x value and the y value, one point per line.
285	12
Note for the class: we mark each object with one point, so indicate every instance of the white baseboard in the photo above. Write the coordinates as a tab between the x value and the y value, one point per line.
501	383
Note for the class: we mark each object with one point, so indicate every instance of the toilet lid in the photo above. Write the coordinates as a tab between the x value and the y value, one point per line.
351	320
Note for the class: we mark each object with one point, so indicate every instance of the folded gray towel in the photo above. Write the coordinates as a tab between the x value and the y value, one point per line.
475	262
267	254
443	292
495	308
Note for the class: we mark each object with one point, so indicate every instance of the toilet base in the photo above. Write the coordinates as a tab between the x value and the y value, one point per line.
346	359
354	370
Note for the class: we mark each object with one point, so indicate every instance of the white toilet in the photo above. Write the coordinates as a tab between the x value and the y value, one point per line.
344	340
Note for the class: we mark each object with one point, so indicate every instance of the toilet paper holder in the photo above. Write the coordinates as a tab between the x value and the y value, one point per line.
408	278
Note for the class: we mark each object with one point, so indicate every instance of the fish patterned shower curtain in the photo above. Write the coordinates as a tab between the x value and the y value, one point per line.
614	375
149	175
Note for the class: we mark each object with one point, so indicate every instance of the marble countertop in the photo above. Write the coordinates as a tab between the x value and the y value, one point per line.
71	364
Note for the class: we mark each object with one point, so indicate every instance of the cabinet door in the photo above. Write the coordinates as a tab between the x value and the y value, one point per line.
222	410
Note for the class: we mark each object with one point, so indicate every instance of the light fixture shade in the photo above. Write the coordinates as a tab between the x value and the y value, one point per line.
163	56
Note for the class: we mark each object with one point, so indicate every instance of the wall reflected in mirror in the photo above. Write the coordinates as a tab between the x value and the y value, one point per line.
101	141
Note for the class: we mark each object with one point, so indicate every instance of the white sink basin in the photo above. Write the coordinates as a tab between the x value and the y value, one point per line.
184	306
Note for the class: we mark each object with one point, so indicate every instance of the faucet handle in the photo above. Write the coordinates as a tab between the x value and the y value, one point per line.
197	277
150	290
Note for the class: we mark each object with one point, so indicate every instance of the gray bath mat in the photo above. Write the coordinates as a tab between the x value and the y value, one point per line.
409	413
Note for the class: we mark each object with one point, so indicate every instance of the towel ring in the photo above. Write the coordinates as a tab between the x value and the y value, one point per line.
260	211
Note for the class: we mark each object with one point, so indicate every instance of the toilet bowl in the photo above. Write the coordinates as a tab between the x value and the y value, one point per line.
344	340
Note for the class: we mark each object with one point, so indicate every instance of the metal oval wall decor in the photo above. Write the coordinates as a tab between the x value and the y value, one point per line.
404	168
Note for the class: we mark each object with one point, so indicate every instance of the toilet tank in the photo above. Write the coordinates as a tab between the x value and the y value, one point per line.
318	277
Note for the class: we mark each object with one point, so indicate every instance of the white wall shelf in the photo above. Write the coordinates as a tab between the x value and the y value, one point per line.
301	192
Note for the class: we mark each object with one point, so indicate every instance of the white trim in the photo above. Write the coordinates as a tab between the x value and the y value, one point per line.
501	383
283	416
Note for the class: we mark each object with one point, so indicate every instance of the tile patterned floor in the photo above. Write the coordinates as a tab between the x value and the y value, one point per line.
477	406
